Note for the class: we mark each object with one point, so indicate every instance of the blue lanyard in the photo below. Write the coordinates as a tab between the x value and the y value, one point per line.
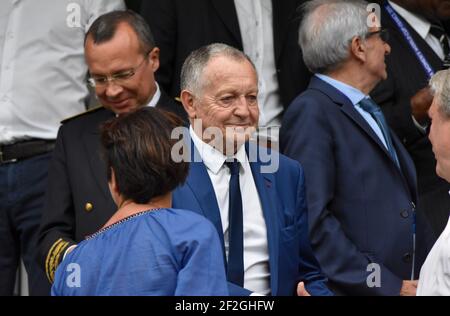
407	35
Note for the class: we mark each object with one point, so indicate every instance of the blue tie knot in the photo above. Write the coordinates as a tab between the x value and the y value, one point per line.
369	105
233	165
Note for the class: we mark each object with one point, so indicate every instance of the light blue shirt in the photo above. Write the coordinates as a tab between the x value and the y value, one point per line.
355	96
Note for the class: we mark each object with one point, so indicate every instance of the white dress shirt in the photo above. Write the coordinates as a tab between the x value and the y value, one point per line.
256	26
42	67
256	251
421	26
154	100
434	277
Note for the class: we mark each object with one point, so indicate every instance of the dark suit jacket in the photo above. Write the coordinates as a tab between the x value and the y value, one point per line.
406	76
360	204
77	176
182	26
283	201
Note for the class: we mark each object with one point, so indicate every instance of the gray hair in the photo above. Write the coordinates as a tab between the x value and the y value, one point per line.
195	63
327	29
440	86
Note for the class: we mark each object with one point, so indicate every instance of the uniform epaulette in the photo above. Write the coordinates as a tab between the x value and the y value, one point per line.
94	109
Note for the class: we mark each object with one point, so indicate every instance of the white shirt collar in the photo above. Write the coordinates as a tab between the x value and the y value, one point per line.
154	100
419	24
156	96
211	157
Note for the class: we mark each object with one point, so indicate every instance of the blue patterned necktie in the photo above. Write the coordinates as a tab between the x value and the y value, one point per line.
371	107
235	265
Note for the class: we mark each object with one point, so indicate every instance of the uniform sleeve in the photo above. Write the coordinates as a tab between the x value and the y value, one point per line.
58	219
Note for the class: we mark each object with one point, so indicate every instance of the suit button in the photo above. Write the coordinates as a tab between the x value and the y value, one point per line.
88	207
404	214
407	257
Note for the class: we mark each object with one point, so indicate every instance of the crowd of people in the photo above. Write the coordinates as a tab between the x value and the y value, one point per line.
281	148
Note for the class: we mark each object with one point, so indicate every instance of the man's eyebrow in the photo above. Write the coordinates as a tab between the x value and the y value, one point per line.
112	73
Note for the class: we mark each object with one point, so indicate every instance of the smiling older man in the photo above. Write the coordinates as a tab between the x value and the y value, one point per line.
261	218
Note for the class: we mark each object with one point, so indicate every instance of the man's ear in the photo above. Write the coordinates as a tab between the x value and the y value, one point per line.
154	58
358	48
187	99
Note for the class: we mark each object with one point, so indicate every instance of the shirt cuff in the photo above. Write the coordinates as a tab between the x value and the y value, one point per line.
68	250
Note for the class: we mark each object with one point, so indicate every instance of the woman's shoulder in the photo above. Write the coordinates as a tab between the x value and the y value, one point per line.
182	222
185	217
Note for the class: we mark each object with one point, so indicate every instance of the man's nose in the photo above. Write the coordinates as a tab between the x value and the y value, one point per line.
242	106
113	89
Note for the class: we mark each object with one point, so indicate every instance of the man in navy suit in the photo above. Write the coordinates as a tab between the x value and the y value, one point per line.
361	182
261	217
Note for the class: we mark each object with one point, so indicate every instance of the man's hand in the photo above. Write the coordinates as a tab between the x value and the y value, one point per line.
301	291
409	288
420	103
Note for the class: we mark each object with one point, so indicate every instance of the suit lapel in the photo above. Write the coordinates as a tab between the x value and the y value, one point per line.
201	186
91	141
354	115
265	185
227	13
349	110
407	165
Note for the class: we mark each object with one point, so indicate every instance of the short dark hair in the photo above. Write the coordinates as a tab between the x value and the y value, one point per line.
105	26
137	146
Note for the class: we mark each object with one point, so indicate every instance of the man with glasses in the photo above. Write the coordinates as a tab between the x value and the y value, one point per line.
360	181
41	67
122	58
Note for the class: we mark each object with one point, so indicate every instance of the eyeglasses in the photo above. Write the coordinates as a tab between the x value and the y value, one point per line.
383	33
119	77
